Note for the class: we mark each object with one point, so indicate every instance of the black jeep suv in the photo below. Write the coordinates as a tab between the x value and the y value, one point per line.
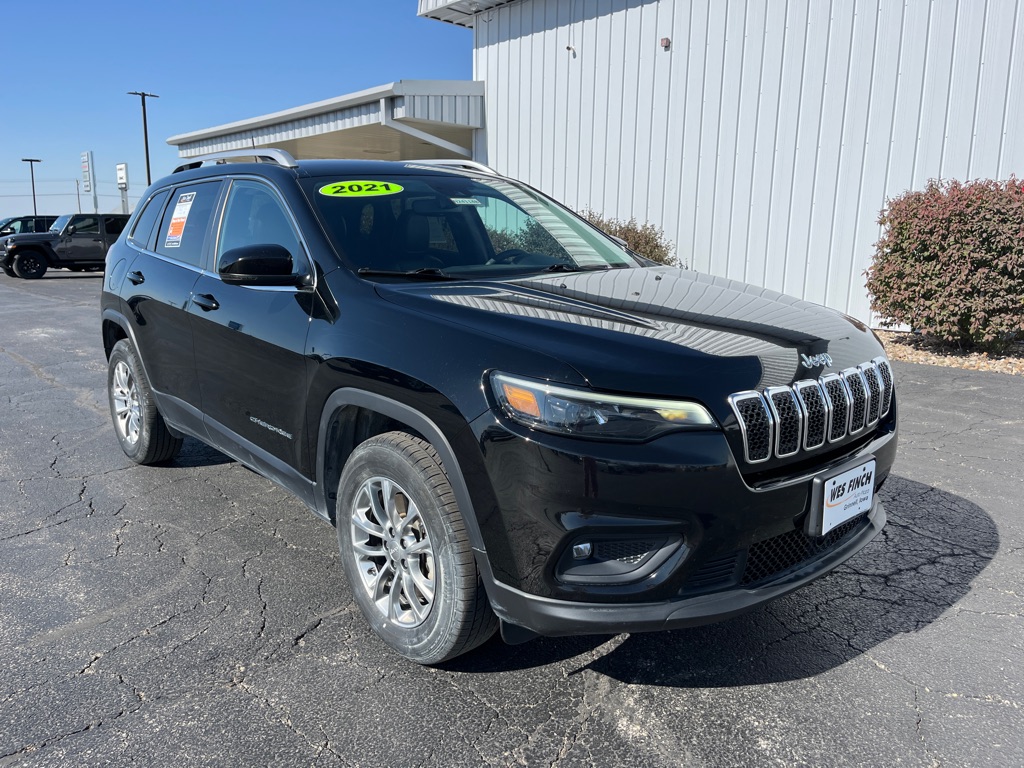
509	418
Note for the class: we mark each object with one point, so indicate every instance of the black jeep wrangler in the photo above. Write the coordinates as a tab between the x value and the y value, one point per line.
510	419
77	241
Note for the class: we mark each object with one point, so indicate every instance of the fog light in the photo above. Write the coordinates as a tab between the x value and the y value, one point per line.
582	551
615	559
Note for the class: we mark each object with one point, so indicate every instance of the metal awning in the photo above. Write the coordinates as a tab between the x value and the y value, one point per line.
405	120
461	12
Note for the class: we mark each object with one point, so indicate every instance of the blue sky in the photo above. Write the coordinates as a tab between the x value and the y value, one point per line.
210	62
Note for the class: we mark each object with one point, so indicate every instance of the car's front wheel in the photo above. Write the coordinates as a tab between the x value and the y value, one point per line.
7	270
144	437
405	551
29	265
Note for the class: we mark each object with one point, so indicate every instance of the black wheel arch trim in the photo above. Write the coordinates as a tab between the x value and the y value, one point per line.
118	319
416	420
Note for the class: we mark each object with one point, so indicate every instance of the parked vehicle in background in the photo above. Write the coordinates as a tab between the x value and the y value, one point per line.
75	241
508	416
17	225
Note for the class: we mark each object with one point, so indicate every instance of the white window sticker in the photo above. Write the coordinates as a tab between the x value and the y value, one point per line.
466	201
178	219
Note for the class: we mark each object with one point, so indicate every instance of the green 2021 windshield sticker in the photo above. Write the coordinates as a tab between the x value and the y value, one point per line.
360	189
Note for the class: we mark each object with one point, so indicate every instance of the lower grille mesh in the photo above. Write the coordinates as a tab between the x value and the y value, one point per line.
776	555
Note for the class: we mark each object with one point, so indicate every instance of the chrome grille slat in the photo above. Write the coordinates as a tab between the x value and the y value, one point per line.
816	413
840	400
874	384
859	398
885	373
782	421
756	425
788	420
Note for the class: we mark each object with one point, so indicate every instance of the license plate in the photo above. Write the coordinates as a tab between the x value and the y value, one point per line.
843	496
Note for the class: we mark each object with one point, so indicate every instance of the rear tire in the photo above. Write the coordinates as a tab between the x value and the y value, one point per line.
405	551
29	265
144	437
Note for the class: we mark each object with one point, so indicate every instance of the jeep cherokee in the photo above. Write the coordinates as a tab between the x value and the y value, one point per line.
510	419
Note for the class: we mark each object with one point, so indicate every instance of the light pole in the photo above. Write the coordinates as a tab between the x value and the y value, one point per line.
32	171
145	127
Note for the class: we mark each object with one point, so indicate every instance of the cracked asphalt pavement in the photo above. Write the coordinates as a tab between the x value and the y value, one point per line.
196	614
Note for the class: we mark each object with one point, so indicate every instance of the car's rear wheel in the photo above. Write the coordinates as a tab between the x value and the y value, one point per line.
405	551
29	265
144	437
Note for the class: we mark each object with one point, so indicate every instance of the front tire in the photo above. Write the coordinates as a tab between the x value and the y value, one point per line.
405	551
29	265
7	270
144	437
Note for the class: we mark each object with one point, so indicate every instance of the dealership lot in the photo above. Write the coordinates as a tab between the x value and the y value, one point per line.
197	613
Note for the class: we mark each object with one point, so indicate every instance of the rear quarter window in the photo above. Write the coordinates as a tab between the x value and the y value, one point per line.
142	233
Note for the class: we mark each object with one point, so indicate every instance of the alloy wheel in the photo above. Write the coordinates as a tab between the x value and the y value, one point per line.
393	552
127	408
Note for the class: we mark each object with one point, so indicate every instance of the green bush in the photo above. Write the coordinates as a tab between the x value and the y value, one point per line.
645	239
950	262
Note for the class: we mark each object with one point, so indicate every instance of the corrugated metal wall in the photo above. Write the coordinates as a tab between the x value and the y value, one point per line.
766	139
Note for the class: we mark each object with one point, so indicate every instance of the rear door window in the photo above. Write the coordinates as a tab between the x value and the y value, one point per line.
186	221
114	226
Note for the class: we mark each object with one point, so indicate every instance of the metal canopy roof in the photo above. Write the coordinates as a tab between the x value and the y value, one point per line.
405	120
461	12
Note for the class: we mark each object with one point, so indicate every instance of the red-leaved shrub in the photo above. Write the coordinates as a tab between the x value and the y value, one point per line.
950	262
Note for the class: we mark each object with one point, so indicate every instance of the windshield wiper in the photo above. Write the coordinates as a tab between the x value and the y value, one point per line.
425	273
563	267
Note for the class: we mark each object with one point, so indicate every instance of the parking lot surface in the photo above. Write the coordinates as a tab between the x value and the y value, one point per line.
197	614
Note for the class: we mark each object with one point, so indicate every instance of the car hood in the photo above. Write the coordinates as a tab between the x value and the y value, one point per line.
656	331
30	237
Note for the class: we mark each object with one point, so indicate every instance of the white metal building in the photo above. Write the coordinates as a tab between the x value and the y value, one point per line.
763	136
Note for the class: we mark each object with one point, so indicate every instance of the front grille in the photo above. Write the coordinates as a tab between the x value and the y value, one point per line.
773	557
810	414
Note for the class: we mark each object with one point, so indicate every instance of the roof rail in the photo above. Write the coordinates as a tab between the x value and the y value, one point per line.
261	155
465	165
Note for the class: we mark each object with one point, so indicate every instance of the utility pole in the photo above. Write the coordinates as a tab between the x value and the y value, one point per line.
145	127
32	171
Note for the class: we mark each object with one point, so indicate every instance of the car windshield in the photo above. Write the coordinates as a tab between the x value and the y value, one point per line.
454	226
60	223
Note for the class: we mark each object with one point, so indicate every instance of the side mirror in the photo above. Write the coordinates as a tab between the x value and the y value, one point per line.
261	264
8	231
620	241
70	230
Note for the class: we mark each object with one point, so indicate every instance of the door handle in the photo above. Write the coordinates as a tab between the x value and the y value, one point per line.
205	302
136	278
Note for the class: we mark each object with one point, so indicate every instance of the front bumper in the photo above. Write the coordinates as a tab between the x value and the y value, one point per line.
553	618
727	543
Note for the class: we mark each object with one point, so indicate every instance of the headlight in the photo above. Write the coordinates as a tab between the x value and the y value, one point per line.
581	413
